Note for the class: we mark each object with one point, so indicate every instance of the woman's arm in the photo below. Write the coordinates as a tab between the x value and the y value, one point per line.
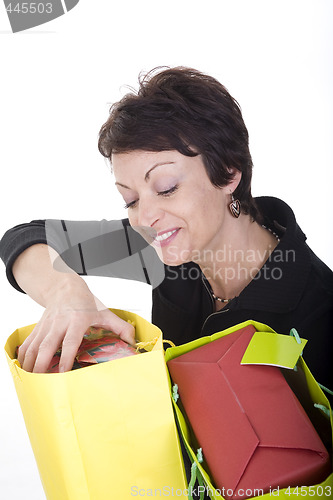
96	248
45	258
70	308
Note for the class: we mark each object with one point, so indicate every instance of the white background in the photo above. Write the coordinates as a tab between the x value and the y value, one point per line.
57	82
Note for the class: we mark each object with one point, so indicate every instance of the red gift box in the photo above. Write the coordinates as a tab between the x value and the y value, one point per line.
253	431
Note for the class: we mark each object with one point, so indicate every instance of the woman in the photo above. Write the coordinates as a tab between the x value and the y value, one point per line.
181	161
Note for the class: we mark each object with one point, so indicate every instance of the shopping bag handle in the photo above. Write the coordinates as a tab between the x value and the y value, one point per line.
196	476
325	389
195	472
323	408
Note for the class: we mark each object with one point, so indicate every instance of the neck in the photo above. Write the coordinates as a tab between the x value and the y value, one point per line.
233	261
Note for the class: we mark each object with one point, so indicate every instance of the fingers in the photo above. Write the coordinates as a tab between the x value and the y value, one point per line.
70	346
109	320
47	348
66	331
23	347
38	349
126	332
41	346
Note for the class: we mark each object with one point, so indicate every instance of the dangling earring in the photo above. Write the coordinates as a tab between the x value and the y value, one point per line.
235	207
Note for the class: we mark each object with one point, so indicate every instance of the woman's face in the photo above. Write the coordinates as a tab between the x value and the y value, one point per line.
172	203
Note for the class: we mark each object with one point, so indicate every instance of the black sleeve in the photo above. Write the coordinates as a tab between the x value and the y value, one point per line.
96	248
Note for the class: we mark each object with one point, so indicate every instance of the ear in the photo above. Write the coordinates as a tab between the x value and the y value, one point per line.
236	178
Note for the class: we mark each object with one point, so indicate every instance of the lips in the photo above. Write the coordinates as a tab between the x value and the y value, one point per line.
164	238
158	239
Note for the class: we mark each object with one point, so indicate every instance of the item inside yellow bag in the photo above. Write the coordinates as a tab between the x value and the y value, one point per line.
98	345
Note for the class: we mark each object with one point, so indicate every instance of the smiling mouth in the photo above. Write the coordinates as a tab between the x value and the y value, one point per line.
163	239
151	236
165	236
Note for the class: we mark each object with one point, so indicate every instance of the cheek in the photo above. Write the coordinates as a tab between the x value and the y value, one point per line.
133	220
214	205
134	223
207	214
207	203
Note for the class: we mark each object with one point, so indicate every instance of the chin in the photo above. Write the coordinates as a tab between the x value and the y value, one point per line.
170	257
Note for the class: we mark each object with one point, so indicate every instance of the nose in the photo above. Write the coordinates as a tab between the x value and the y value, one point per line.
149	213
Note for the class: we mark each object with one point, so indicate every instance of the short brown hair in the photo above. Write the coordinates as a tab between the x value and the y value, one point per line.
188	111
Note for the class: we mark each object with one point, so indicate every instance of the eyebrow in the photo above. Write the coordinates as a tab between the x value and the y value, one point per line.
147	174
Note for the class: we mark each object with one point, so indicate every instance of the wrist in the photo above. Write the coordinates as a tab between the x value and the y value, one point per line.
67	285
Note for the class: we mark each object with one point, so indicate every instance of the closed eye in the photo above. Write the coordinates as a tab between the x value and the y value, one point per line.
168	191
131	204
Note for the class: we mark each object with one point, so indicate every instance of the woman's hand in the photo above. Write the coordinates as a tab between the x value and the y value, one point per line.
69	312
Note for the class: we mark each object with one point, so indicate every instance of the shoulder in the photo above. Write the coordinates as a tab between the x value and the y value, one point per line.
321	273
295	276
277	213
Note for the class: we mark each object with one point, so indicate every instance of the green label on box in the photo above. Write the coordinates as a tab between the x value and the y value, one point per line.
273	349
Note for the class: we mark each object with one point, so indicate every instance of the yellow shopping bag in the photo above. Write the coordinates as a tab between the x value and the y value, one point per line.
106	431
203	394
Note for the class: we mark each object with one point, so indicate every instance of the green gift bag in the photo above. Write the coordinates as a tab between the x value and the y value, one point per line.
198	381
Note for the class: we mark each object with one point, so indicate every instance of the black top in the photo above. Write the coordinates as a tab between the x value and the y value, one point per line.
294	289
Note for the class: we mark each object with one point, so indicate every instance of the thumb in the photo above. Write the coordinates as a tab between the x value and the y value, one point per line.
110	321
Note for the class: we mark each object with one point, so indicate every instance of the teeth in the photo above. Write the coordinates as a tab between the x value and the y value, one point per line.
164	236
